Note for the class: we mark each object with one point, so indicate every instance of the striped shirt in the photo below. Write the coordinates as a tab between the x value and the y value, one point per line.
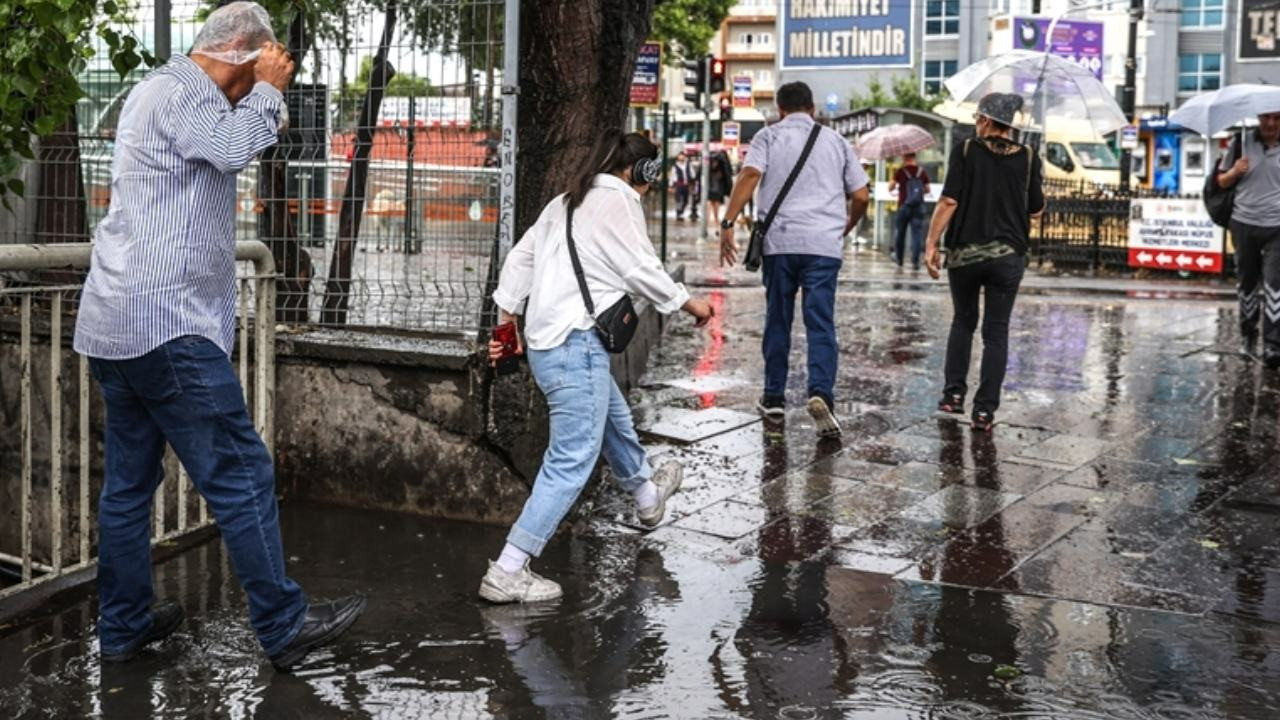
164	256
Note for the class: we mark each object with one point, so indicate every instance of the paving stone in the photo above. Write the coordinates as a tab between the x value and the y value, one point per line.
959	506
726	519
1065	450
844	465
687	426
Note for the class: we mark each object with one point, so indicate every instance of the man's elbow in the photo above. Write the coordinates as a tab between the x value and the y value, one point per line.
861	196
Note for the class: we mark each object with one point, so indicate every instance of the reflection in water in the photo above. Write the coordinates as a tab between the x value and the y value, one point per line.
709	361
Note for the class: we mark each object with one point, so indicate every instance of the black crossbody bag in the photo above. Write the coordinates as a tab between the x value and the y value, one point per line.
616	325
755	249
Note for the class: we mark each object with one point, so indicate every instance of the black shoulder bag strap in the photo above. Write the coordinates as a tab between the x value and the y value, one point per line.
791	179
577	264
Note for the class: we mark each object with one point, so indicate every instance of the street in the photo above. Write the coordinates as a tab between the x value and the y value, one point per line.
1111	550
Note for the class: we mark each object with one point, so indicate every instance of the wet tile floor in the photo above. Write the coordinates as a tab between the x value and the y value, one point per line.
1112	550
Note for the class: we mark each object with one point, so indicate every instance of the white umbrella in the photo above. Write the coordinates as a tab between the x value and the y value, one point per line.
893	140
1054	87
1211	113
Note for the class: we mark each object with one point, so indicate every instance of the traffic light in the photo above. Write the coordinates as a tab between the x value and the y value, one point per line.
717	74
695	78
726	108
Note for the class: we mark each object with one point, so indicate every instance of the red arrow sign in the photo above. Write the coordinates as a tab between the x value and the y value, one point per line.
1183	260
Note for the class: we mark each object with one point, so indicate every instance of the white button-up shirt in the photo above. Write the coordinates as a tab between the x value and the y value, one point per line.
164	256
617	257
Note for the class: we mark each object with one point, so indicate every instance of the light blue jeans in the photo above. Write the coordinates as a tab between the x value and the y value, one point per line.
588	414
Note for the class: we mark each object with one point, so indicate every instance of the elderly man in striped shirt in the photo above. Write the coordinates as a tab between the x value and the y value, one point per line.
157	321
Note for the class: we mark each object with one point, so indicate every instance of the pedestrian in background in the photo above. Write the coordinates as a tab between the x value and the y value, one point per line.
157	321
1255	229
682	181
804	247
588	413
719	183
992	190
911	182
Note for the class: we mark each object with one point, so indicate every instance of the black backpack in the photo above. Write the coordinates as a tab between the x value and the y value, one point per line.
1220	201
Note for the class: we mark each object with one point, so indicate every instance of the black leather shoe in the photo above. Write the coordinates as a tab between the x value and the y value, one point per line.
166	616
323	624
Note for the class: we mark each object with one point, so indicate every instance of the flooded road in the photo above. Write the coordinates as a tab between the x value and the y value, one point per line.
1111	551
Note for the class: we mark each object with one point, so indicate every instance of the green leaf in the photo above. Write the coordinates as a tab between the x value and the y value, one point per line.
110	8
1008	672
16	186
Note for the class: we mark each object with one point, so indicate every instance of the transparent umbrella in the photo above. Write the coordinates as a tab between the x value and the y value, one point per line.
1055	89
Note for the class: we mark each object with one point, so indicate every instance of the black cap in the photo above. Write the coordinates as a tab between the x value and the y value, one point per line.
1001	107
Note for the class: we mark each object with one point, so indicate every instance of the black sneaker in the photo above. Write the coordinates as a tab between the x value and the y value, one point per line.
772	405
951	403
166	616
983	421
1272	359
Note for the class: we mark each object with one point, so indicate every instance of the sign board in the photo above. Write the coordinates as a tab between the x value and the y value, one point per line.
429	111
729	133
833	102
742	91
1259	25
1129	137
647	75
1172	234
826	34
1079	41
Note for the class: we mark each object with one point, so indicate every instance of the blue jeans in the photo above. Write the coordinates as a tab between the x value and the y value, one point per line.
909	216
588	414
186	393
816	275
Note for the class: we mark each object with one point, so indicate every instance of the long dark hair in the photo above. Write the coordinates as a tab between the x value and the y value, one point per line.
613	151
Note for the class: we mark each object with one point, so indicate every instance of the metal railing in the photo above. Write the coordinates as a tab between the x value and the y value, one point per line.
39	565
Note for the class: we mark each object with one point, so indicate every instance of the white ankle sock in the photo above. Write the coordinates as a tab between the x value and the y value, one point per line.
646	495
512	559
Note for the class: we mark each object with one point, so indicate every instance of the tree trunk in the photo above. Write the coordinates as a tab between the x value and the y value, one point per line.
62	209
337	291
576	61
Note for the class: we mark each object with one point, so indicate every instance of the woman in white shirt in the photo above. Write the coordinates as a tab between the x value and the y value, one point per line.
587	410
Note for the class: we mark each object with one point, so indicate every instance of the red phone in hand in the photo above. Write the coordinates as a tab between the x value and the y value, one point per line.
509	361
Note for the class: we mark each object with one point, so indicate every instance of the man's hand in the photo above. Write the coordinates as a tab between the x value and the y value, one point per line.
701	310
728	248
1240	168
933	260
274	66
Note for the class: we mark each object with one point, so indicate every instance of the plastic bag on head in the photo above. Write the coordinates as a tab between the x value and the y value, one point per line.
235	33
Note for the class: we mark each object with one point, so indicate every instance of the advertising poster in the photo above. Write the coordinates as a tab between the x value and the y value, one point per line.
742	91
645	79
1076	40
1259	23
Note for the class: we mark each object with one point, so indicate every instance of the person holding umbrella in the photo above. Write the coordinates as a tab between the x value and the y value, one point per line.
911	182
1255	228
992	190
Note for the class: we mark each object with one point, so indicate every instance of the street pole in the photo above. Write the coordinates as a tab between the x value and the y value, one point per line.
1129	95
706	144
666	131
163	39
507	146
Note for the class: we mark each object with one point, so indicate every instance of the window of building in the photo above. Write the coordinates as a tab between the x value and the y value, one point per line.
1199	72
764	78
936	71
1201	13
942	17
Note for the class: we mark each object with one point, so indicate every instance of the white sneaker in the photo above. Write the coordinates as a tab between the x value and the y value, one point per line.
526	586
828	426
668	479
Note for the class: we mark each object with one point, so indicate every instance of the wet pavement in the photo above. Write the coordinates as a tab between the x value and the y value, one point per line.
1111	550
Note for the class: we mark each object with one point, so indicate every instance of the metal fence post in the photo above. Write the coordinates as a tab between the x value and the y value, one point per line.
510	125
666	129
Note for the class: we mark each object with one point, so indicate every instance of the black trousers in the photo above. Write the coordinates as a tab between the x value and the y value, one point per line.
1000	278
1258	263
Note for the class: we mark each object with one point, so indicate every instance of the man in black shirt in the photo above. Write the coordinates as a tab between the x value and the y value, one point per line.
993	188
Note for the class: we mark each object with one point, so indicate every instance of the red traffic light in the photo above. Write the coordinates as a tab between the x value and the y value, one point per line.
715	66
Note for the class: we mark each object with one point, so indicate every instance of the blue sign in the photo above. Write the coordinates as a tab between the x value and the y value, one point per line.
833	102
846	33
